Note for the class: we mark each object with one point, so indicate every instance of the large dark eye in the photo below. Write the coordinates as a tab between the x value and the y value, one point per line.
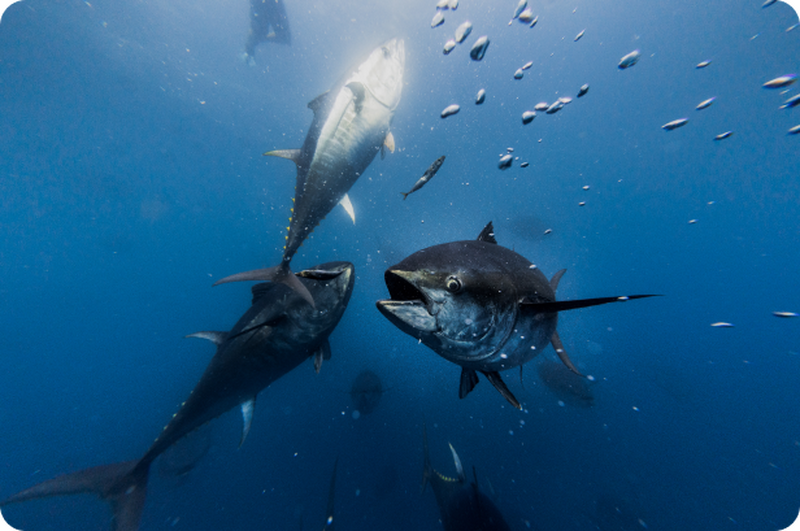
453	284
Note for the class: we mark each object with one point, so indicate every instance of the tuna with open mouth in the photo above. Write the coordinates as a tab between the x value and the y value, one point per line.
480	306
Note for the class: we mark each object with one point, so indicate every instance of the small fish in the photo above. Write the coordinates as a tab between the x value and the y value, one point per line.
702	64
448	46
526	16
794	101
794	130
579	35
786	315
438	19
450	110
520	8
481	97
555	107
629	60
541	106
722	325
565	100
524	165
527	65
705	104
453	5
535	20
463	31
527	117
583	90
781	82
427	176
442	4
792	27
505	162
768	3
674	124
723	136
479	48
518	74
548	231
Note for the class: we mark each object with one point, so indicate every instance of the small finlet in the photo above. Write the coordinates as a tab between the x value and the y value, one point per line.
248	408
348	207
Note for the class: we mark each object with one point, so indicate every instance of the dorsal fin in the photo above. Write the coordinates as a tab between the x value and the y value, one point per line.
217	338
556	278
487	234
318	102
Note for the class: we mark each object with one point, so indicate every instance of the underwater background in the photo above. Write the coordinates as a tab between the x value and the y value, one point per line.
131	179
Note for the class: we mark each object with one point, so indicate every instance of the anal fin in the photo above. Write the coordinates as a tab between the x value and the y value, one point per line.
248	408
348	207
323	353
562	354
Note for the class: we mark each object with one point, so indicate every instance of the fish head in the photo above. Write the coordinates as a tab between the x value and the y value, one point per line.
452	303
382	72
331	285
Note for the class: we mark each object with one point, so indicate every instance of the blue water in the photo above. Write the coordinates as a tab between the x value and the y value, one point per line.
131	178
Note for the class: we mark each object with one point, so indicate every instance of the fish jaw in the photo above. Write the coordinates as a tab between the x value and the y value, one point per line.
409	308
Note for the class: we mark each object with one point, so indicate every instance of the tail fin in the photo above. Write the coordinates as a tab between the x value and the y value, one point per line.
404	194
123	485
280	273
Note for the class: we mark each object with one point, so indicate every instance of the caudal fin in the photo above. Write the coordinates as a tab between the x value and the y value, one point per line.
280	273
123	485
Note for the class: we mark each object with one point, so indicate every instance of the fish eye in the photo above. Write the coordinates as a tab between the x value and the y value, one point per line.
453	284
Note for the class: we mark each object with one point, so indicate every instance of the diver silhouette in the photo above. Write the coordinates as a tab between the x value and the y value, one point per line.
268	23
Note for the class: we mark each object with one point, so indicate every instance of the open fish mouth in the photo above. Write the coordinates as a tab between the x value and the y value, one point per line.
408	307
401	289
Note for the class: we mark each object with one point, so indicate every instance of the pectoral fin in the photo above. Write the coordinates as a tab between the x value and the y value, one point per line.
248	408
468	382
498	383
348	207
359	93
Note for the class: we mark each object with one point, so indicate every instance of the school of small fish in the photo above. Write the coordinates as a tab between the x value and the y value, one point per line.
525	15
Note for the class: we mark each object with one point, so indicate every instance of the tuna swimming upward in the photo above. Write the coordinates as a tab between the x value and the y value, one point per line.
351	124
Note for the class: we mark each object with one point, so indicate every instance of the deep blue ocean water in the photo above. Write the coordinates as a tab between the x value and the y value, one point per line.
131	178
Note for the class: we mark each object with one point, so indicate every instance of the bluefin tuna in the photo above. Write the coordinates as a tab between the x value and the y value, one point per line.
479	305
351	124
277	333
